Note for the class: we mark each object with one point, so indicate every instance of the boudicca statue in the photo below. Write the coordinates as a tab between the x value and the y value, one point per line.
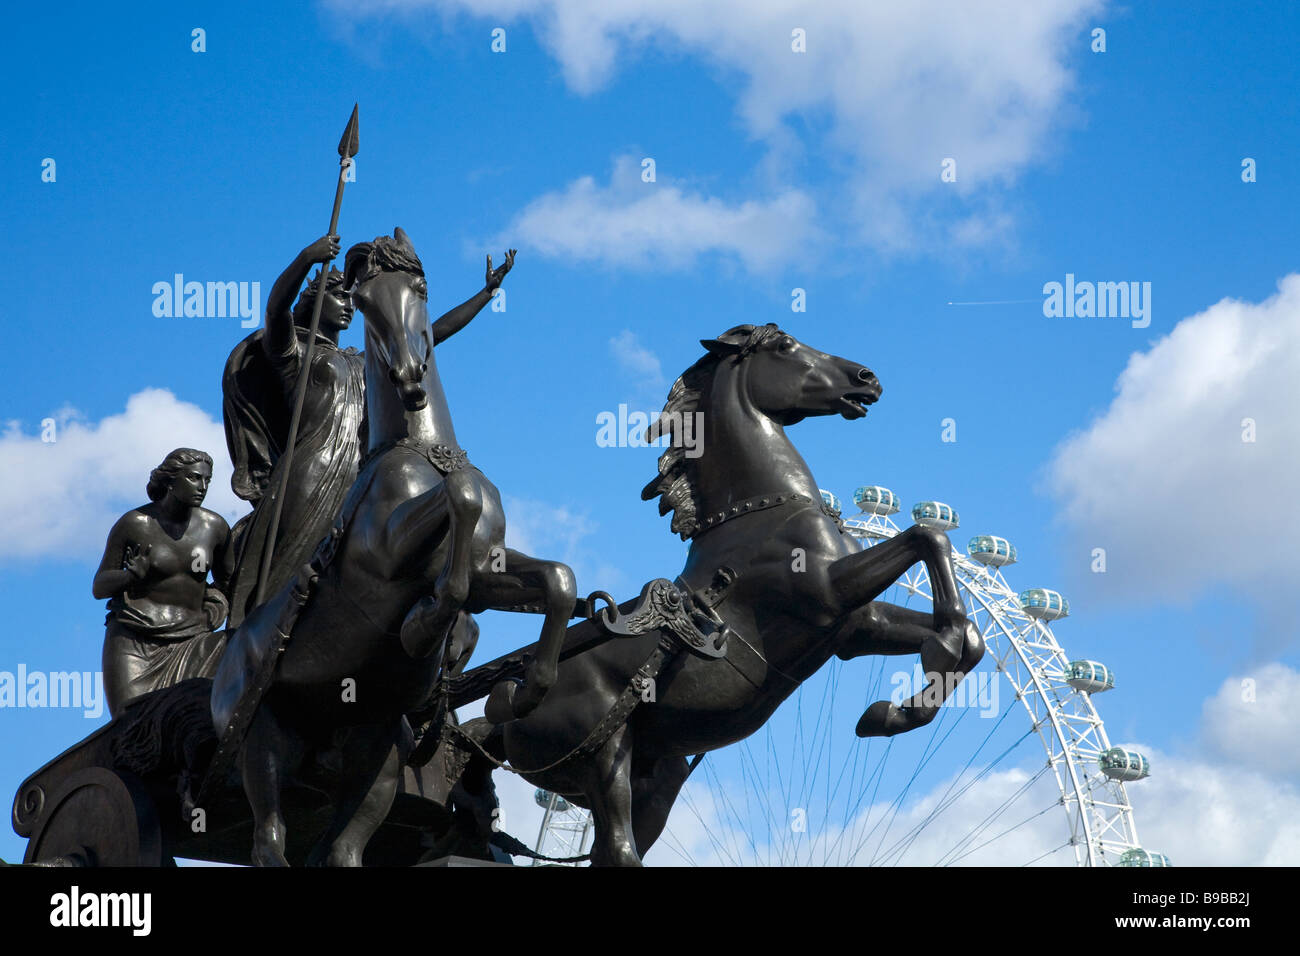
320	726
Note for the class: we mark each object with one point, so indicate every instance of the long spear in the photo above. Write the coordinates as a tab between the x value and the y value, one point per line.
348	146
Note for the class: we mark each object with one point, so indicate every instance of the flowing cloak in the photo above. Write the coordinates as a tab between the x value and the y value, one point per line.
259	392
256	417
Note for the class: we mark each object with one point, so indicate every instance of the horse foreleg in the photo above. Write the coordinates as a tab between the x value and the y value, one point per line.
460	500
859	578
608	787
528	580
881	628
269	754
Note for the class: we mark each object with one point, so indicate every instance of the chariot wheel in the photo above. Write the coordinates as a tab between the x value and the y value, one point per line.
97	817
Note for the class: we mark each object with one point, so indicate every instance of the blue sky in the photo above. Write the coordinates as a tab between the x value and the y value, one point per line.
774	171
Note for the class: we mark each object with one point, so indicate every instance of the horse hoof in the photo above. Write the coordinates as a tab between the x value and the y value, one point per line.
881	719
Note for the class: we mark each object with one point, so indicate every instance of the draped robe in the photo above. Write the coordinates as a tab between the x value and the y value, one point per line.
259	393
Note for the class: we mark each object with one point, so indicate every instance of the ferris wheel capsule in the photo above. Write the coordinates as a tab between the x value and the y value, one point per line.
543	799
991	550
831	500
1089	676
1044	604
935	514
1140	857
1126	765
876	500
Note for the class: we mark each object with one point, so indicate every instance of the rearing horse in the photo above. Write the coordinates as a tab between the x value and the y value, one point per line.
420	541
787	588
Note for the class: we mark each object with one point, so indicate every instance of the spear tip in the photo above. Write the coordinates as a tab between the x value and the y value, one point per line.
351	140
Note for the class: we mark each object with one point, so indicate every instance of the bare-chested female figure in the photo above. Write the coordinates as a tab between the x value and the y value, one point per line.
162	613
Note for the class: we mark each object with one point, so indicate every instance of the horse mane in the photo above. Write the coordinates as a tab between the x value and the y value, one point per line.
392	253
674	486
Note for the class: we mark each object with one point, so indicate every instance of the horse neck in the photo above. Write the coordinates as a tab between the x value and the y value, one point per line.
388	418
745	452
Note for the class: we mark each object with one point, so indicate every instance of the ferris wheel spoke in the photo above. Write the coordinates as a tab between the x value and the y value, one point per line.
750	784
916	830
863	751
760	787
718	791
1028	819
896	804
674	843
944	802
988	821
858	820
1064	846
718	846
809	781
988	769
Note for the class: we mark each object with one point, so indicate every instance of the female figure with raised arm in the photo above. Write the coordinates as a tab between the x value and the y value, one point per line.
260	380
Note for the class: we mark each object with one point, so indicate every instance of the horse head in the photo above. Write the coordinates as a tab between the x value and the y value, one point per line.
389	288
725	419
789	381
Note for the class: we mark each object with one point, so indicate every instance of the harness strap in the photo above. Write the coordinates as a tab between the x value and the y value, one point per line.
632	694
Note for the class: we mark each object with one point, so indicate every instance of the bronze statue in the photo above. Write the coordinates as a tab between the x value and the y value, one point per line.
373	542
346	646
770	592
162	613
259	382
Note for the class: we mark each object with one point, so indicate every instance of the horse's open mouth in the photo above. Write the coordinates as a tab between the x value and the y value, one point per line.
854	405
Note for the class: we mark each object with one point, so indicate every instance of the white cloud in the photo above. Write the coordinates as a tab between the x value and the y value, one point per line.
1163	479
61	498
1253	724
661	225
560	533
883	94
1203	813
645	373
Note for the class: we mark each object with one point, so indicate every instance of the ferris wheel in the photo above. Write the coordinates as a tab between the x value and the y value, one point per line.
805	791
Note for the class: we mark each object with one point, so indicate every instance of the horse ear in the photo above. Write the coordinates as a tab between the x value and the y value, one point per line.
402	238
720	348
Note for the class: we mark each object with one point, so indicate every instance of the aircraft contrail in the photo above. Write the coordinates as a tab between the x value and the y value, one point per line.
998	302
